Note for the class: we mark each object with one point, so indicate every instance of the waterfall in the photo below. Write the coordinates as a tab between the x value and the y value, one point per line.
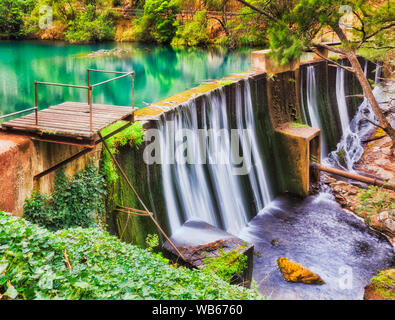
205	186
350	149
313	118
341	100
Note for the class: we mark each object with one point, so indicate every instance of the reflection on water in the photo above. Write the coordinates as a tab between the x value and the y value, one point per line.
160	71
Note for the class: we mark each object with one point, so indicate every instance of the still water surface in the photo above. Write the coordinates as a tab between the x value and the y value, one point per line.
160	71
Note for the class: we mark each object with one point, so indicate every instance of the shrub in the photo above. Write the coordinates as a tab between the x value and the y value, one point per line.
90	264
76	201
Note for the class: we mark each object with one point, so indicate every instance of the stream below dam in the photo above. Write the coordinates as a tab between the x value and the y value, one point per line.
317	233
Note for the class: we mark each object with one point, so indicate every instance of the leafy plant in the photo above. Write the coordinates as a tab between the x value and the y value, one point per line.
76	201
90	264
152	241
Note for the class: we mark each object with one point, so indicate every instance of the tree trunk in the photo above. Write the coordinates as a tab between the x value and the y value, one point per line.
367	89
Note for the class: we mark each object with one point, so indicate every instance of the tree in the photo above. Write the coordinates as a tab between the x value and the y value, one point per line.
160	17
292	30
11	17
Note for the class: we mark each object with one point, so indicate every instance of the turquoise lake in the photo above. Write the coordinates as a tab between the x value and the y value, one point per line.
160	72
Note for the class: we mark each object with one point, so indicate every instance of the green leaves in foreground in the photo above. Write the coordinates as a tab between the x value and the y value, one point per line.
90	264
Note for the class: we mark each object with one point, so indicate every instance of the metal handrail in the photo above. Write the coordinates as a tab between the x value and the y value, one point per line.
17	112
64	85
89	87
124	74
103	82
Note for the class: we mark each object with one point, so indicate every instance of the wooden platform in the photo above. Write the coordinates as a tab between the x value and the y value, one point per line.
69	122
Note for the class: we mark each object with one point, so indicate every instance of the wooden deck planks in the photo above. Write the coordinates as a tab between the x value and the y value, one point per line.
71	119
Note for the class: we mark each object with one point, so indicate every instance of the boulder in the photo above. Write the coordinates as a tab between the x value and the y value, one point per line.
294	272
198	240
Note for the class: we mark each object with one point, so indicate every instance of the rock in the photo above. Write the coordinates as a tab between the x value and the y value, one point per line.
198	240
294	272
116	52
390	225
382	286
274	242
330	180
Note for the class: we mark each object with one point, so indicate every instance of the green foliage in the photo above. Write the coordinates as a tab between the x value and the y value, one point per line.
284	44
89	26
90	264
375	200
159	22
227	264
300	25
152	241
132	136
12	14
76	201
194	32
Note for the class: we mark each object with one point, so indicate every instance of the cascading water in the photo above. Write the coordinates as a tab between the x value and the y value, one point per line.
313	118
204	185
349	150
341	100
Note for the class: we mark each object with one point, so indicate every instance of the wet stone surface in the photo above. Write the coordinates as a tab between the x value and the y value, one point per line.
198	240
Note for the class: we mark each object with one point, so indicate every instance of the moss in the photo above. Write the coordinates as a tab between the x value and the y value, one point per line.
132	136
382	286
298	125
341	156
225	82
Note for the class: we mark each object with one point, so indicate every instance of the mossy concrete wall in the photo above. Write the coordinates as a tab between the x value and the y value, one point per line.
147	179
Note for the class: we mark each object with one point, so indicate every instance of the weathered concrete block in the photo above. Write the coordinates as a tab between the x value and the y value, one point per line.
262	62
298	145
21	159
197	240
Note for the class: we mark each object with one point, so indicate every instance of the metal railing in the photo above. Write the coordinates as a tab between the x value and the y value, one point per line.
88	87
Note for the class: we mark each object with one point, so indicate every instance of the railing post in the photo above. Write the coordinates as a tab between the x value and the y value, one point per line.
133	96
35	102
90	108
87	75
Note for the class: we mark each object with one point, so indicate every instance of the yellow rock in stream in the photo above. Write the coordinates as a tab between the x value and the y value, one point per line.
294	272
